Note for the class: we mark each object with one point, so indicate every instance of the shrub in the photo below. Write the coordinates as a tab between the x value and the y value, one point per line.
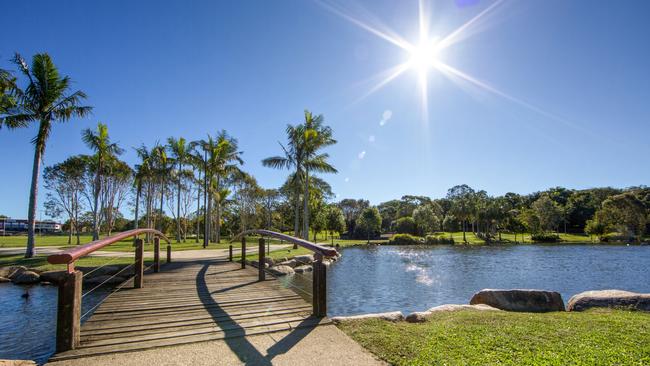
545	238
405	239
434	240
405	225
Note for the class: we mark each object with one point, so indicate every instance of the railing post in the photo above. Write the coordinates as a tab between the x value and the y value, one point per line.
243	252
230	253
156	254
169	253
68	317
261	263
139	264
319	289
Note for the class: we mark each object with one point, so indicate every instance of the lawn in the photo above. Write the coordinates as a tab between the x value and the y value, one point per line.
601	337
473	239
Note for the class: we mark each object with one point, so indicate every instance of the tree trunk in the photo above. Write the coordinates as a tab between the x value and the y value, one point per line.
218	226
178	205
296	216
162	198
138	189
464	227
33	192
305	208
198	208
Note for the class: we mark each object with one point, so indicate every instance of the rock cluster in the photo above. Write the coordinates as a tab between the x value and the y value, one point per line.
21	275
609	299
536	301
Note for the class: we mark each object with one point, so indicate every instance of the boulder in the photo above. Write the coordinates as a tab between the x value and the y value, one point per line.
281	270
55	277
290	263
417	317
109	281
303	268
14	271
609	299
421	316
256	264
269	261
304	259
26	278
393	316
100	271
536	301
4	280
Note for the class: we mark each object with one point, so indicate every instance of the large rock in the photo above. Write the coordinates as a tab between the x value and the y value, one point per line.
536	301
54	277
281	270
421	316
269	261
303	268
99	271
393	316
4	280
291	263
256	264
26	278
609	299
13	271
304	259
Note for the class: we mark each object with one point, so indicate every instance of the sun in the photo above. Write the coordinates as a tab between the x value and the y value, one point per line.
424	56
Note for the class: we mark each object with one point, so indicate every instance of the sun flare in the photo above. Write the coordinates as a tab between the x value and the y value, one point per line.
425	56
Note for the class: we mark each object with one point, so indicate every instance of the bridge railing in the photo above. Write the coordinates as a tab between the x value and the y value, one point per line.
319	272
68	321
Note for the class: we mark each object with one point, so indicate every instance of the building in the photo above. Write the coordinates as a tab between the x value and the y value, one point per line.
9	226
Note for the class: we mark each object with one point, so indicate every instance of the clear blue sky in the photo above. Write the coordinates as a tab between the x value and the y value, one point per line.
154	69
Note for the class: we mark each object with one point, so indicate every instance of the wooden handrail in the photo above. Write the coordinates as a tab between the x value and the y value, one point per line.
69	256
324	251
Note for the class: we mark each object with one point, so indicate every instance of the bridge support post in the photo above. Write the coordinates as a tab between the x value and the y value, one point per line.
230	253
169	253
319	286
156	254
139	264
261	263
68	317
243	252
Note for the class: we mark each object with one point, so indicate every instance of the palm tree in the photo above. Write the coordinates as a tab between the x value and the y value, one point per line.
7	93
197	161
292	159
45	99
161	171
105	150
143	175
180	153
223	158
316	136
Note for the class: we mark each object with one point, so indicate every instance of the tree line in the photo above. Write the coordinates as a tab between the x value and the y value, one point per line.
201	183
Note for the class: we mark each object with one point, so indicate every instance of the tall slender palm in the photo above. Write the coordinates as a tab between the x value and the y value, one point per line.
161	172
196	160
316	136
142	177
99	141
223	160
292	160
45	99
7	93
180	151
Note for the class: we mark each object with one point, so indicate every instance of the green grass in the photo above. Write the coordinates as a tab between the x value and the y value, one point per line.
603	337
473	239
39	262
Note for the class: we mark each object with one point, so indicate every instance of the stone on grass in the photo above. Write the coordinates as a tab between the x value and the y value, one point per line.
456	307
304	259
26	278
535	301
417	317
281	270
303	268
393	316
618	299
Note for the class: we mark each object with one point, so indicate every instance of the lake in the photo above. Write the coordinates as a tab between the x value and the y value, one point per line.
416	278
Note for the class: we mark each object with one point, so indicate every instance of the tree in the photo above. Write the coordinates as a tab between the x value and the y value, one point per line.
548	213
369	222
105	150
46	99
352	209
406	225
426	219
627	211
180	152
7	93
461	197
64	181
334	220
595	227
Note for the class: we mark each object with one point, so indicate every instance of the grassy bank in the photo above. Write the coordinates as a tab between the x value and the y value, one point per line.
603	337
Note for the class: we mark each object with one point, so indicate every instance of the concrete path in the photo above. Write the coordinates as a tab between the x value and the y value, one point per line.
322	345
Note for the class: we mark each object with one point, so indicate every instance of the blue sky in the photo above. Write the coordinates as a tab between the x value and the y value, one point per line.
576	73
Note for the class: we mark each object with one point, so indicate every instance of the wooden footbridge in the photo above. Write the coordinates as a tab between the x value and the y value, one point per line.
182	302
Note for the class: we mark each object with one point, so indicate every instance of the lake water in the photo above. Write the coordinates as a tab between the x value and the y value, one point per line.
28	325
389	278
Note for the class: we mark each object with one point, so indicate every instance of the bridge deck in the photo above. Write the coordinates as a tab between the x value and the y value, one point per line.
191	302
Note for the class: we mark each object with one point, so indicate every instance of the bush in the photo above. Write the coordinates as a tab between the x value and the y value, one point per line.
434	240
405	225
405	239
545	238
616	238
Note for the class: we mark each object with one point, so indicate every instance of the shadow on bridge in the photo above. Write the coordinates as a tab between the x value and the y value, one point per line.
235	334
